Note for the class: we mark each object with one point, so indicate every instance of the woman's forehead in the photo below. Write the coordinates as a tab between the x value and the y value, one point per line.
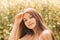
27	15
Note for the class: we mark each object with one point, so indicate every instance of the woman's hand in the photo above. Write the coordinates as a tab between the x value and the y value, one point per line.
18	18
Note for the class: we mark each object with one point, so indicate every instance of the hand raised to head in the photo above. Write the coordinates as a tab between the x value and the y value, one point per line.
19	17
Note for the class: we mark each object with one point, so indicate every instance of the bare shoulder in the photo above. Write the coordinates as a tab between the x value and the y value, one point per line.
46	32
45	35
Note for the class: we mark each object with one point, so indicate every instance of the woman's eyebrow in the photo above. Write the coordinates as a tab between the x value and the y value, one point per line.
27	16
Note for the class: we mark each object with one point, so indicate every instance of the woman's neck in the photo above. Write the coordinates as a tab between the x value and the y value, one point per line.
37	31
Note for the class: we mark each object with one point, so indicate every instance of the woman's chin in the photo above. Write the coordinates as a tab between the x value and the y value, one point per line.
31	27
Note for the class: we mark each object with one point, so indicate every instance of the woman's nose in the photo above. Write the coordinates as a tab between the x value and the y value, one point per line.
28	21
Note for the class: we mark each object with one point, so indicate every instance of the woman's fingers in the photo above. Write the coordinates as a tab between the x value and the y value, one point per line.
19	17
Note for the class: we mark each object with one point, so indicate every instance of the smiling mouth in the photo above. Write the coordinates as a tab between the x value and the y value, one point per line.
30	24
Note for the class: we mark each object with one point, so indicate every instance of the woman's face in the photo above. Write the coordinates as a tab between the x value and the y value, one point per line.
29	21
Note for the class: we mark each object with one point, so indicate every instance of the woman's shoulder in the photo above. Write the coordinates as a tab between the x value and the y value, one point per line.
46	34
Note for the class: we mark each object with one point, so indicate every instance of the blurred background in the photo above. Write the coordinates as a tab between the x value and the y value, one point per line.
50	10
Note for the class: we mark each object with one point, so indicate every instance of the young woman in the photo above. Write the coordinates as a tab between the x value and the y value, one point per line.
29	25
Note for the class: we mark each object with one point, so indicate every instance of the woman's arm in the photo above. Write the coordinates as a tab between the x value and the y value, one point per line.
13	32
14	35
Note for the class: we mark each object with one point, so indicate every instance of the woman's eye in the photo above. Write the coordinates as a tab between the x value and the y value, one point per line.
31	17
25	20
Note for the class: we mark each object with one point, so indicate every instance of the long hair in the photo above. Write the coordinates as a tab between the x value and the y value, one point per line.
39	23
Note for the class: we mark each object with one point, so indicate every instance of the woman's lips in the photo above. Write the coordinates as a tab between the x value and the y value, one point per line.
30	24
